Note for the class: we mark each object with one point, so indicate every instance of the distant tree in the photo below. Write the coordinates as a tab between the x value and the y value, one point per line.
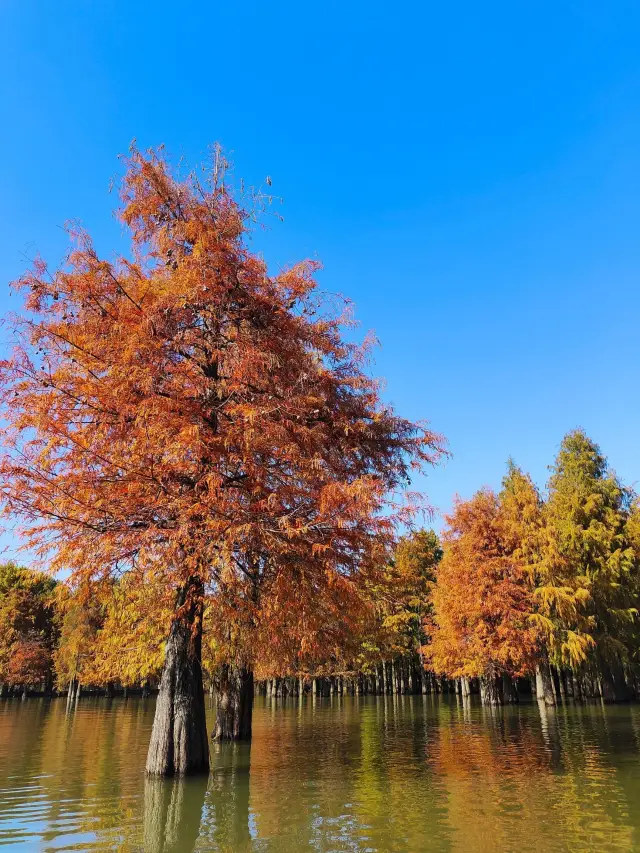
79	614
129	644
589	539
403	591
482	600
27	631
631	634
558	601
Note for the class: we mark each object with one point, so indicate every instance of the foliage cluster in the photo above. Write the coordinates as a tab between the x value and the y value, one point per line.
526	582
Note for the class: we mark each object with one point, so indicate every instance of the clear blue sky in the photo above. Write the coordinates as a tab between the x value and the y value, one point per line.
469	174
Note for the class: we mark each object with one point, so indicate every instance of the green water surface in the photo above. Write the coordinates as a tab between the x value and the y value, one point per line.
396	773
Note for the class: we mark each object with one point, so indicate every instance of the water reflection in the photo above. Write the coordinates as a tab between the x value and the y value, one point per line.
388	774
172	814
226	824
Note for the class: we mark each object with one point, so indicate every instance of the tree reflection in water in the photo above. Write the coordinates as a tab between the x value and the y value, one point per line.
173	814
412	774
226	817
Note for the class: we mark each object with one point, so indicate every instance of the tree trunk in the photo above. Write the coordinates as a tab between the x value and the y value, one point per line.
491	690
544	684
576	687
509	690
179	738
559	685
614	686
234	708
71	692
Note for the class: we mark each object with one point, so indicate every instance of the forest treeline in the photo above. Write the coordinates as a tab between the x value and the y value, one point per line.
521	593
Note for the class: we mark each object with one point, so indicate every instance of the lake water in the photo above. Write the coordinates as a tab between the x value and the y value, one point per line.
381	774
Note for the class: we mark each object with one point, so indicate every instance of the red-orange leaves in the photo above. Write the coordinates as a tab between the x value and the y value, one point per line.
185	413
482	598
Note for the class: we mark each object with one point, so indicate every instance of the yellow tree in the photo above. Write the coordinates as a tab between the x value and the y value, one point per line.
129	647
400	602
558	600
79	615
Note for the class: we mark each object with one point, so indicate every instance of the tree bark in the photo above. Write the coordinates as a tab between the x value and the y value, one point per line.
509	690
71	692
491	689
577	689
234	709
544	684
179	738
614	686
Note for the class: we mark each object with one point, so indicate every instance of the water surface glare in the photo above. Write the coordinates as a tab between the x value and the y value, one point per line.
408	774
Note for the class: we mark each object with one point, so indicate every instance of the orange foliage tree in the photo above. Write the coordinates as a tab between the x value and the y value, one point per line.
27	629
482	600
184	413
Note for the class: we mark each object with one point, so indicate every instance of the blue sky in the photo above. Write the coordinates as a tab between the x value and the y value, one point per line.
469	175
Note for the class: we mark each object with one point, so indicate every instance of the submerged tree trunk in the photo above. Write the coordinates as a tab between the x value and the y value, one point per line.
234	710
509	690
544	684
491	689
558	687
71	692
576	687
613	683
179	738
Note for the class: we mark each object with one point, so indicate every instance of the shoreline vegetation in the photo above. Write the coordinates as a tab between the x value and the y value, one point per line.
199	449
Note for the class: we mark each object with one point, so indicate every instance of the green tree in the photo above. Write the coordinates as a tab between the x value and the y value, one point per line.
411	576
589	543
558	601
399	593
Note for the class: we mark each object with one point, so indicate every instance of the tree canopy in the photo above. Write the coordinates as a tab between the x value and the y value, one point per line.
182	410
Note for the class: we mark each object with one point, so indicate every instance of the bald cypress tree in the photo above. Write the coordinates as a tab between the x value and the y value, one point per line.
589	541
